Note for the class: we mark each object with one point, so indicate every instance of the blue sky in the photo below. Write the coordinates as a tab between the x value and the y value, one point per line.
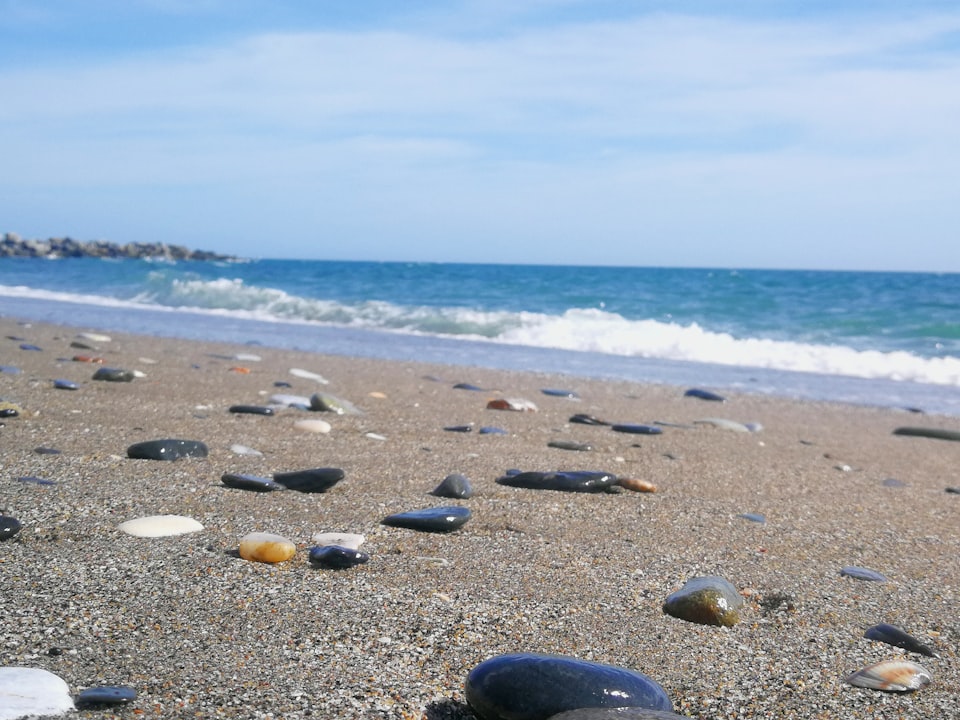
728	134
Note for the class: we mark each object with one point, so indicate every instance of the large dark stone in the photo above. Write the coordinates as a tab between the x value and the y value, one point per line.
242	481
454	485
337	557
113	375
564	480
9	526
707	600
317	480
105	695
438	519
525	686
169	449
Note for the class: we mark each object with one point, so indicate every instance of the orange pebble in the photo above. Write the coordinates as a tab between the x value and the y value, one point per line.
266	548
88	359
241	370
638	485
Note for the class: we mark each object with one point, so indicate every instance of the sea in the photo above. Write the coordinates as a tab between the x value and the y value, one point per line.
884	339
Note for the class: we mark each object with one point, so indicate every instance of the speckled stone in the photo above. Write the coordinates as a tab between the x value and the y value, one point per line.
706	600
526	686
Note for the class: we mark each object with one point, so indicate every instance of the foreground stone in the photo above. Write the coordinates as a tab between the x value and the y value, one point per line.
707	600
32	692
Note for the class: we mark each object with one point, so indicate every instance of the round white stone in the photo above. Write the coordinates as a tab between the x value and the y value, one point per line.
31	692
314	426
160	526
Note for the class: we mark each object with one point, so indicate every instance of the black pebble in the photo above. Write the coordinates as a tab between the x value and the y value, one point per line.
251	409
704	395
337	557
568	481
439	519
454	485
242	481
105	695
317	480
634	429
9	526
168	449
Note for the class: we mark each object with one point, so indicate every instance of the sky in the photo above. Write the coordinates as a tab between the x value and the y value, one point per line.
756	133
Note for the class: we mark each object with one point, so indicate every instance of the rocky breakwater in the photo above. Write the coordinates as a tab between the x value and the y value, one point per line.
12	245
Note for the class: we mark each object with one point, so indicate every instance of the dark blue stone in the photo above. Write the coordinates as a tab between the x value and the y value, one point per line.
753	517
9	526
622	713
337	557
168	449
113	375
525	686
241	481
634	429
894	483
282	383
251	409
554	392
316	480
454	485
105	695
892	635
468	386
10	370
459	428
46	451
438	519
490	430
704	395
61	384
584	419
860	573
563	480
31	480
28	346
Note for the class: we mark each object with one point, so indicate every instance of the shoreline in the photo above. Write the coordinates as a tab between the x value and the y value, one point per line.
197	630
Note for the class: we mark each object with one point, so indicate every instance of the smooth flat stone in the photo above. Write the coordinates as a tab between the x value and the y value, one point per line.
584	419
244	450
32	692
704	395
46	451
893	635
251	410
105	695
94	337
562	480
61	384
636	429
167	449
9	526
935	433
308	375
282	384
556	392
337	557
454	485
347	540
753	517
160	526
114	374
266	548
320	427
490	430
438	519
30	347
286	400
459	428
316	480
894	483
637	485
10	370
861	573
324	402
33	480
525	686
468	386
242	481
723	424
706	600
570	445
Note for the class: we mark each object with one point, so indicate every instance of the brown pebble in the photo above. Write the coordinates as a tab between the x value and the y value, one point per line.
637	485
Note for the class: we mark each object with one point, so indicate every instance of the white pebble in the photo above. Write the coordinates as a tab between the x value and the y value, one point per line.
160	526
244	450
307	375
31	692
94	337
314	426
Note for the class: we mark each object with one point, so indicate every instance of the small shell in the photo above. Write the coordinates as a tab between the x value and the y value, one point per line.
891	676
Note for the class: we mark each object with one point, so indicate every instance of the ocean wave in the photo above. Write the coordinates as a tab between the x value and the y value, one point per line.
590	330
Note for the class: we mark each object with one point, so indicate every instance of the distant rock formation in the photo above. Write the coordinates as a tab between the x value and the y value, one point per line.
12	245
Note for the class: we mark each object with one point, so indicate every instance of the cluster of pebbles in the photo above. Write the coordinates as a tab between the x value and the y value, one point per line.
512	621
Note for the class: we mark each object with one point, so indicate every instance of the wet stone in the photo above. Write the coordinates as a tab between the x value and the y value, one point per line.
337	557
468	386
636	429
61	384
316	480
324	402
526	686
105	695
109	374
861	573
706	600
893	635
9	526
242	481
167	449
570	445
438	519
454	485
704	395
621	713
562	480
584	419
251	410
935	433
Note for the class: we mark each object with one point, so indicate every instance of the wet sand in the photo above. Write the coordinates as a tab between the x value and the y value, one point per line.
200	632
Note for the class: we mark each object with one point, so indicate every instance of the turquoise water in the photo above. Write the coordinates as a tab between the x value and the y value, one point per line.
728	325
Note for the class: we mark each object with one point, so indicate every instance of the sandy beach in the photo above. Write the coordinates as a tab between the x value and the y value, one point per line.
200	632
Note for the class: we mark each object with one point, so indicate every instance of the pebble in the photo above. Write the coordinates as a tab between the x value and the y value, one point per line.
936	433
30	347
94	337
706	600
324	402
266	547
468	386
490	430
437	519
513	404
555	392
621	713
242	481
891	676
337	556
113	374
563	480
105	695
635	429
454	485
347	540
894	483
167	449
892	635
88	359
753	517
244	450
316	480
525	686
308	375
10	370
301	402
321	427
32	692
251	409
570	445
153	526
61	384
704	395
33	480
584	419
46	451
861	573
9	409
637	485
459	428
9	526
724	424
